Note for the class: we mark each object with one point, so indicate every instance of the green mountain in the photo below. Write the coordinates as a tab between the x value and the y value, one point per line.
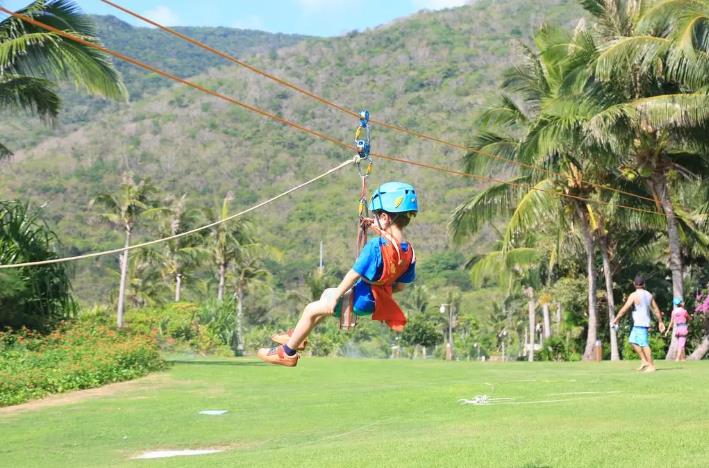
431	72
156	48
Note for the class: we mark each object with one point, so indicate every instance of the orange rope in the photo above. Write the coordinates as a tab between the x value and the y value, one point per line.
269	115
334	105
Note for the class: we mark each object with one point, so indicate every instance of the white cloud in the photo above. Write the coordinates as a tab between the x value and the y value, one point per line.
163	15
439	4
249	22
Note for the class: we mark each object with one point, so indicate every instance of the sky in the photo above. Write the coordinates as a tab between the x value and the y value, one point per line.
311	17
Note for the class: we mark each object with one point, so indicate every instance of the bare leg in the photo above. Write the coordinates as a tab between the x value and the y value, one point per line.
681	343
648	359
312	314
643	363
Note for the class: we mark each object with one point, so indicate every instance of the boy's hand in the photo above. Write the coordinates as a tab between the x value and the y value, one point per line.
331	303
662	327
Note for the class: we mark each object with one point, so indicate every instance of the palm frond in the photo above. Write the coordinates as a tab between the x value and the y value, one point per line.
503	267
5	152
664	112
31	94
485	206
488	152
506	113
30	50
538	206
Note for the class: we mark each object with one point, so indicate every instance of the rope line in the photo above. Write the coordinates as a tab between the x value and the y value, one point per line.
343	109
182	234
271	116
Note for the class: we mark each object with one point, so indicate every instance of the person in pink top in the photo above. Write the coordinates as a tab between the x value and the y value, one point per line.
680	319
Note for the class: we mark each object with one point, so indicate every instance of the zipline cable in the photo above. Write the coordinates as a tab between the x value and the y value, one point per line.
340	108
182	234
274	117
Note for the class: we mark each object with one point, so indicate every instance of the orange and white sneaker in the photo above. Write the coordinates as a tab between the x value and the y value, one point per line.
282	338
277	356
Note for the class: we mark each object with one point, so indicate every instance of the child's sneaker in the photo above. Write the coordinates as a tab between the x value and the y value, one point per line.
277	356
282	338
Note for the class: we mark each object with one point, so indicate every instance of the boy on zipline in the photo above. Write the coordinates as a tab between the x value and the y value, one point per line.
382	268
643	302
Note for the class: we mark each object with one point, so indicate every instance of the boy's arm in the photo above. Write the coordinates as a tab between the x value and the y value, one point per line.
658	315
347	282
345	285
624	309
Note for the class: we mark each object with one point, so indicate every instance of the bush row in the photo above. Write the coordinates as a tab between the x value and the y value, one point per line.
75	356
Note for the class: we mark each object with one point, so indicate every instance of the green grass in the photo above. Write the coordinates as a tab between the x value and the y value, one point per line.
338	412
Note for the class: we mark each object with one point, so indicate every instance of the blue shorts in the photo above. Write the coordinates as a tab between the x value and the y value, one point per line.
639	336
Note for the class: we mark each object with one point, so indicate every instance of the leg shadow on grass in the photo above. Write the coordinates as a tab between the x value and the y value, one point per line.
217	363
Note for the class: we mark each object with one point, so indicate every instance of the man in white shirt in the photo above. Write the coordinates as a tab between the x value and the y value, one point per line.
643	302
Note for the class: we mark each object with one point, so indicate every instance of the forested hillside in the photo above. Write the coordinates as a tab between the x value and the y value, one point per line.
430	72
158	49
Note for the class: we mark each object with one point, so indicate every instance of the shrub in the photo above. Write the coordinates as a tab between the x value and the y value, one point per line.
557	348
74	356
34	297
657	346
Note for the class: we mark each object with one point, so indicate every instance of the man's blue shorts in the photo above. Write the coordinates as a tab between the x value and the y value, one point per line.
639	336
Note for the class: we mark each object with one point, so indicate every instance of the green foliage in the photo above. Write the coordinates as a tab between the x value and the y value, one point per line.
33	297
422	330
74	356
658	345
556	348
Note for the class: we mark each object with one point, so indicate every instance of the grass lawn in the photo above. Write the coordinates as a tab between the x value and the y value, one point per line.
337	412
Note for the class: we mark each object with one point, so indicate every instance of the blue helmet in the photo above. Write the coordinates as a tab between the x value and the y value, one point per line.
394	197
677	300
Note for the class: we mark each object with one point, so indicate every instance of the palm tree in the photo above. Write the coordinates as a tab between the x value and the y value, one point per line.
176	257
653	61
246	269
547	130
227	240
31	58
123	208
515	269
417	299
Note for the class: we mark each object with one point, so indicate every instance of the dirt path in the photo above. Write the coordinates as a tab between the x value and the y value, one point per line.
152	381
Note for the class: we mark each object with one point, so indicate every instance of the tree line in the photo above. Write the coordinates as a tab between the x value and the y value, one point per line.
620	103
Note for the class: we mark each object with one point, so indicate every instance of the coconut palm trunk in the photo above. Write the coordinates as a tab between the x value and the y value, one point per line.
589	246
238	340
701	350
222	280
178	286
547	320
658	186
608	276
529	292
120	312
